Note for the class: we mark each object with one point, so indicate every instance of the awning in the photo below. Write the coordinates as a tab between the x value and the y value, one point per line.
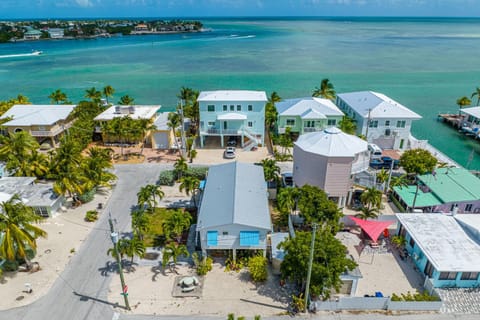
231	116
372	228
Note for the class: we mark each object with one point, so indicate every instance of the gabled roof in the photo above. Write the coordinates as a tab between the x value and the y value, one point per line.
135	112
235	193
161	123
380	105
308	108
473	111
332	142
232	95
453	184
30	114
443	241
424	199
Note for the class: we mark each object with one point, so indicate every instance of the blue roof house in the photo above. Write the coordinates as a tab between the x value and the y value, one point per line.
234	212
228	114
381	119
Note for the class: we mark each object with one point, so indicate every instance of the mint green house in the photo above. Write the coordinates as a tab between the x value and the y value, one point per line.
303	115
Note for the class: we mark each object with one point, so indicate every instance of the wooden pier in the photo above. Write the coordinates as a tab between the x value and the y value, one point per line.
455	120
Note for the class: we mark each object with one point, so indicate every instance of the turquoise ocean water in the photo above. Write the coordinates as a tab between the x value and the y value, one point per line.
425	64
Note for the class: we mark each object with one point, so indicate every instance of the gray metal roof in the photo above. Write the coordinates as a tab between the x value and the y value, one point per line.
161	123
303	106
235	193
29	114
34	195
380	105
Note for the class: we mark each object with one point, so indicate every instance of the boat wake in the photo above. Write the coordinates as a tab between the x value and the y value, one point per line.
33	53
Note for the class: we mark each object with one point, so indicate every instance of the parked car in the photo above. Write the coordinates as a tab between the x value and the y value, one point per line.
287	179
384	163
375	151
229	153
232	142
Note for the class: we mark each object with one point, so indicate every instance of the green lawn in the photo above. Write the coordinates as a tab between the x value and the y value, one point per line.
154	236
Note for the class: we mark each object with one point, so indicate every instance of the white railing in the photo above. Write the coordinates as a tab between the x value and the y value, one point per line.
309	129
50	133
215	131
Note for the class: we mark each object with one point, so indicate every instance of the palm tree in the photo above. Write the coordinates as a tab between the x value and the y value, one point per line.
367	213
16	149
271	112
134	247
36	166
93	94
399	181
171	252
95	167
126	100
58	96
108	92
347	125
371	197
180	167
270	169
382	176
193	155
21	99
19	234
175	224
325	90
190	185
140	222
287	199
463	102
173	123
476	93
148	195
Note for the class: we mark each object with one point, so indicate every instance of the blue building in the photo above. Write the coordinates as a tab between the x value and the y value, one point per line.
232	114
445	248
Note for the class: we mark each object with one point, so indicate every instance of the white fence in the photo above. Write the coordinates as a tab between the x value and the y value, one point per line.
374	303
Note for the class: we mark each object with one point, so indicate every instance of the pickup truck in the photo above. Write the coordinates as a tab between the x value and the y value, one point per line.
384	163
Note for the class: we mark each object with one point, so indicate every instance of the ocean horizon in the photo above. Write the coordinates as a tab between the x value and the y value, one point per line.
424	63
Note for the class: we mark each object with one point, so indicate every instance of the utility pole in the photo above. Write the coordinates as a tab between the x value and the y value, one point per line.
368	124
389	177
182	129
114	236
310	262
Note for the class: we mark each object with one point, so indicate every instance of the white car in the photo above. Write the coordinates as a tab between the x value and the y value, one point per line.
229	153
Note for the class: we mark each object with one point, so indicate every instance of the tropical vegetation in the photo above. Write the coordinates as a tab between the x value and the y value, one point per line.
325	90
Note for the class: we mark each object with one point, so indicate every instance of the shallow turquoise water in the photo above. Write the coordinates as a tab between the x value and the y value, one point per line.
425	64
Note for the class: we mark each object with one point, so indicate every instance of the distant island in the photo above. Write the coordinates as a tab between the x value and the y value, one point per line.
13	31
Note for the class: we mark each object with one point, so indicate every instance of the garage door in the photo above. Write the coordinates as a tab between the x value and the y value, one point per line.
160	140
346	287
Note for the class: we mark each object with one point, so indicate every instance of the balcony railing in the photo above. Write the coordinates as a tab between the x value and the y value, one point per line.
52	132
310	129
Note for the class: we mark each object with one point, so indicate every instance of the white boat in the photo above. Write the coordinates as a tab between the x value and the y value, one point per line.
33	53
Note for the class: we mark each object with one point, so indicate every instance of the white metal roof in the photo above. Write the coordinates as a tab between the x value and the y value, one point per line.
31	114
232	95
231	116
472	220
443	241
473	111
161	123
332	142
380	105
310	106
136	112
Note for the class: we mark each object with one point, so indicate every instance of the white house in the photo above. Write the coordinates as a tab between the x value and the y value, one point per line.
56	33
381	119
227	114
234	212
328	160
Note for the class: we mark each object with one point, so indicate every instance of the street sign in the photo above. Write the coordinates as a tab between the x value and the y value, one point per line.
125	289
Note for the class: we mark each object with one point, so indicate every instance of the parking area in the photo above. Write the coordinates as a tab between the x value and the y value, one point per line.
215	156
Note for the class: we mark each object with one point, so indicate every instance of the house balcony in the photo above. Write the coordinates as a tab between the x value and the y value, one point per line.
53	132
312	129
219	132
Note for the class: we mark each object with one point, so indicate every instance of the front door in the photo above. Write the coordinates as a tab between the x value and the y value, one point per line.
224	125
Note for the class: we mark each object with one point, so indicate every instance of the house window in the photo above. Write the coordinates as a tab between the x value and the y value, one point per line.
468	207
290	122
239	107
225	233
250	107
212	238
250	124
332	122
401	123
41	211
469	275
447	276
387	123
249	238
373	124
225	108
211	123
309	124
428	269
412	242
232	107
211	108
452	207
41	128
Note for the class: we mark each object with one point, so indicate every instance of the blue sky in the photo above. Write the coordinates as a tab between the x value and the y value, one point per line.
203	8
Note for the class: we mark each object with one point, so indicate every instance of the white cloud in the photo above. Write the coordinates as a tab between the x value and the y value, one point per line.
84	3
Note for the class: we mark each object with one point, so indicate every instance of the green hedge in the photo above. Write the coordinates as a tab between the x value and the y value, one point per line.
88	196
166	178
198	172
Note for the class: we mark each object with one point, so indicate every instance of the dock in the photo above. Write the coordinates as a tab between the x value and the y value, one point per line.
455	120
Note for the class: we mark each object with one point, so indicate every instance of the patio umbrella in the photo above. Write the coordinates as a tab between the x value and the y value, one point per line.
372	228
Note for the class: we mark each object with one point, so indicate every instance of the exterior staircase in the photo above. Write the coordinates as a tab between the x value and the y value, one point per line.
253	140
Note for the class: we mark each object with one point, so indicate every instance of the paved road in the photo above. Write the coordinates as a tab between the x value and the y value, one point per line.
80	293
81	290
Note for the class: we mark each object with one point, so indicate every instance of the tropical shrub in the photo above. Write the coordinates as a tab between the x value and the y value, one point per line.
167	178
298	303
198	172
425	296
87	196
257	266
203	265
233	265
91	216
